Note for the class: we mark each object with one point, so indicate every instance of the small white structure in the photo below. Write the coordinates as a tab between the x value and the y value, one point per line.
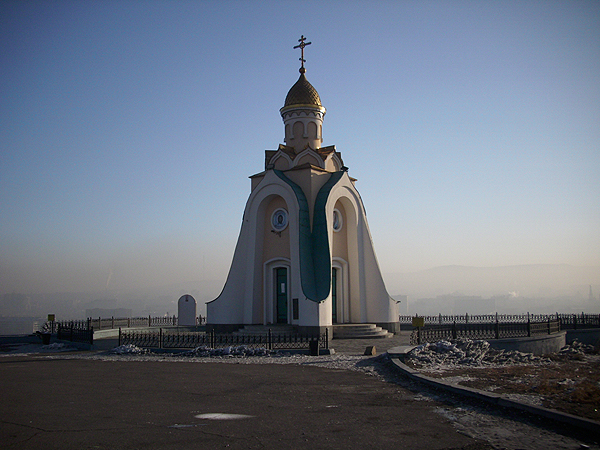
186	310
304	255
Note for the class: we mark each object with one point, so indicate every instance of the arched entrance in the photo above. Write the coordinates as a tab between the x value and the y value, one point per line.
277	281
339	291
334	295
281	295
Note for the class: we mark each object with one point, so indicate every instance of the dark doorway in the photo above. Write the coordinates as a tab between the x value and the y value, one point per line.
334	272
282	297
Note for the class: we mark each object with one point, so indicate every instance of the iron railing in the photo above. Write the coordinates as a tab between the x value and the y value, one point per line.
579	321
486	331
129	322
441	319
568	321
165	338
107	323
75	333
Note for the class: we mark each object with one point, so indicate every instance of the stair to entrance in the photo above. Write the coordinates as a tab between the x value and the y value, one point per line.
276	330
360	331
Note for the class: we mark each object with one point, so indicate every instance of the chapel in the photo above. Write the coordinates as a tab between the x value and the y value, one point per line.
304	256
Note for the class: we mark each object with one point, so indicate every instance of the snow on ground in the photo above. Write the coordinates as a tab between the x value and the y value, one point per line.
468	353
239	351
29	349
578	348
243	355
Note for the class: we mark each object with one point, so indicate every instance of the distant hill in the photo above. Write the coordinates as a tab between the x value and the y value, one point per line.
536	280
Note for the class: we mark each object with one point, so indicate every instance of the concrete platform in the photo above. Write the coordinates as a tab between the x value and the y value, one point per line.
69	403
357	346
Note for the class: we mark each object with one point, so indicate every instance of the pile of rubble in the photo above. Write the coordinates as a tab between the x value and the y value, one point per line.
128	349
466	352
239	351
578	348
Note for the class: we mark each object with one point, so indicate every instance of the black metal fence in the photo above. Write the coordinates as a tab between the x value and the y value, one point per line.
178	339
129	322
75	333
441	319
568	321
485	330
579	321
104	323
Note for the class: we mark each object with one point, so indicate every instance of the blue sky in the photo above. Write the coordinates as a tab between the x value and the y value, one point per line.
128	131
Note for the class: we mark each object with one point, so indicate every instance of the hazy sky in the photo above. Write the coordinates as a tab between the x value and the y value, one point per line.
128	131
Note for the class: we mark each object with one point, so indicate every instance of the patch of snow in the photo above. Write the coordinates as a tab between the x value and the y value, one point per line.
31	349
222	416
577	348
128	349
467	352
242	351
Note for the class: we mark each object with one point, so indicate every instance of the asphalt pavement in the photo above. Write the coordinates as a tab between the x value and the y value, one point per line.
56	403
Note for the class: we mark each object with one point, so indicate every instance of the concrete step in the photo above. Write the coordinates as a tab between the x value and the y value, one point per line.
354	327
360	331
250	330
379	334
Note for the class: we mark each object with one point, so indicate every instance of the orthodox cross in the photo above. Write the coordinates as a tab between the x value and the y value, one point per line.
301	47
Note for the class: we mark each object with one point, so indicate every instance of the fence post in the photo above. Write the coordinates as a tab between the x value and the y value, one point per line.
128	322
269	340
89	323
497	327
99	323
548	325
327	338
71	332
454	330
528	326
160	338
120	336
149	320
440	318
419	335
212	338
574	321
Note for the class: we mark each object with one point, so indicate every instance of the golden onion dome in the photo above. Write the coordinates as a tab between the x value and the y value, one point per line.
302	93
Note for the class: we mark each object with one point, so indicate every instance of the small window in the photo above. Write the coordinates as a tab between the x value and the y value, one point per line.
337	220
279	219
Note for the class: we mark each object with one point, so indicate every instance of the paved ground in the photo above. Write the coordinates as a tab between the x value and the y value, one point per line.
357	346
94	400
56	403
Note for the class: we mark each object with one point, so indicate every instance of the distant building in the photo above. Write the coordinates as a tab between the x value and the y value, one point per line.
304	256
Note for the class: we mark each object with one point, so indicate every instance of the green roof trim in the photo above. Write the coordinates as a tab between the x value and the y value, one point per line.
315	256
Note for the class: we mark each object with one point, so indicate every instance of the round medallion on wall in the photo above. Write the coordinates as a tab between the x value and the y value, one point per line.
337	220
279	219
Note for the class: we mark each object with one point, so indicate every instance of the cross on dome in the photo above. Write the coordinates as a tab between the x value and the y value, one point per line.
301	47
